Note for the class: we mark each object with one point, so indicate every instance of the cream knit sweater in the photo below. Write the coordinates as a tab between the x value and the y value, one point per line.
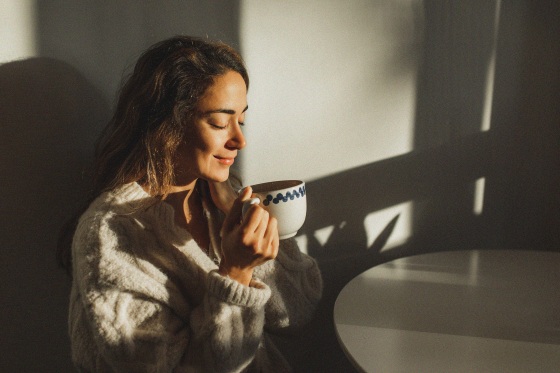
146	298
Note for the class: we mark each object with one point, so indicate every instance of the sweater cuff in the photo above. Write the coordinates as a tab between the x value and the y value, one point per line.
233	292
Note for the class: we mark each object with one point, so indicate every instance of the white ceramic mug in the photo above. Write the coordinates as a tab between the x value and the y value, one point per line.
285	200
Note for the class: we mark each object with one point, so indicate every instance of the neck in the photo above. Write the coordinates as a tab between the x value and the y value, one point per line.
185	202
173	189
189	212
183	187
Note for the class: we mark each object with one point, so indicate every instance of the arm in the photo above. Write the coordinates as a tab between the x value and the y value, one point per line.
294	278
140	316
227	327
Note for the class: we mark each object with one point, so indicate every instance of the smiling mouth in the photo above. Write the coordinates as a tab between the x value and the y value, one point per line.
225	161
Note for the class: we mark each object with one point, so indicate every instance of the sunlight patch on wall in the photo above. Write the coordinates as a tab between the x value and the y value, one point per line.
326	97
17	30
490	74
322	235
302	243
380	223
478	204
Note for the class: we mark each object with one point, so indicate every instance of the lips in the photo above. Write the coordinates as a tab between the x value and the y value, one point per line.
225	160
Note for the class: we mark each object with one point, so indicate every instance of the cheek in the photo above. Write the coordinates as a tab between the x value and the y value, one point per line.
184	156
195	143
202	143
209	142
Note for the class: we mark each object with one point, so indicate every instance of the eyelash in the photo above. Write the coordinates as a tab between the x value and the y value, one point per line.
224	127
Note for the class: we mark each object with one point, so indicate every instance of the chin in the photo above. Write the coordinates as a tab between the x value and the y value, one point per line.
218	177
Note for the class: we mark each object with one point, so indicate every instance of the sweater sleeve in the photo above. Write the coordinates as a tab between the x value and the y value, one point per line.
296	287
140	315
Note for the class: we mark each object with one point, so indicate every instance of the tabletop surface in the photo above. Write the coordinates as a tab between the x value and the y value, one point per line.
456	311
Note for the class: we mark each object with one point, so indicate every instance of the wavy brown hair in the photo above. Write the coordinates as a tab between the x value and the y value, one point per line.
155	105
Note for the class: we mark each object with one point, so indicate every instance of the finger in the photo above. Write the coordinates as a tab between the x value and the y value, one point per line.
234	216
274	247
271	228
272	238
263	224
247	205
253	220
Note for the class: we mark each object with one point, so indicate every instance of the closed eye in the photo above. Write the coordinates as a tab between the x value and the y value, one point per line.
218	127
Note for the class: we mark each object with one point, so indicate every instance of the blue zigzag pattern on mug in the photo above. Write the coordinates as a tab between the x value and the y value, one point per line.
296	193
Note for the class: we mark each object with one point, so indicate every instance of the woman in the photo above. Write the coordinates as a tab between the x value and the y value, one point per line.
167	275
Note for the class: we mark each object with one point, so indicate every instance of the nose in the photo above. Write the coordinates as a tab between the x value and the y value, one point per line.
237	139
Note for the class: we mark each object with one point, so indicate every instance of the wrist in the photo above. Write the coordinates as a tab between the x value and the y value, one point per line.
241	275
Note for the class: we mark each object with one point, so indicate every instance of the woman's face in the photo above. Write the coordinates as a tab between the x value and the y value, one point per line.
214	137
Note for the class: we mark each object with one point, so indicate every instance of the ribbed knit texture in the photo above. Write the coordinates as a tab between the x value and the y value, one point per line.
146	298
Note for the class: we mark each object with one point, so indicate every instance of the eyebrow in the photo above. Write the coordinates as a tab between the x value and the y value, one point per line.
224	111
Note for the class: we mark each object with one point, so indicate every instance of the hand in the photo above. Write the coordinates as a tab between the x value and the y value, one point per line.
249	243
223	195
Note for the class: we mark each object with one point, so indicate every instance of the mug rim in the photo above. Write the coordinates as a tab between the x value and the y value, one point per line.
271	186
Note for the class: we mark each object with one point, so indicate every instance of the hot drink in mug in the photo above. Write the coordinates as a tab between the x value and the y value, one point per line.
285	200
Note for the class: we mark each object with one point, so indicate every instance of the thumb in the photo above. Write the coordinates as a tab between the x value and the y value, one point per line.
234	216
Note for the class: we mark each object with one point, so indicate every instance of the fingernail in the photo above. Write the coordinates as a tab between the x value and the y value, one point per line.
241	190
246	190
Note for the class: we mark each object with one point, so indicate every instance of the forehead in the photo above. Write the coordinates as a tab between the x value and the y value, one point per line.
228	91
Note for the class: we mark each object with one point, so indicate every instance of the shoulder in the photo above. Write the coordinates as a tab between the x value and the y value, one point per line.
111	237
116	215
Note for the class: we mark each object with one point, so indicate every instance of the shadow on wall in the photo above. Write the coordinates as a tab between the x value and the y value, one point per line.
521	167
438	176
52	110
104	38
524	195
420	176
49	118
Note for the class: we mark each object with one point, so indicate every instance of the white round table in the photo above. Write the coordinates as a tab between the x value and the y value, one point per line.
458	311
